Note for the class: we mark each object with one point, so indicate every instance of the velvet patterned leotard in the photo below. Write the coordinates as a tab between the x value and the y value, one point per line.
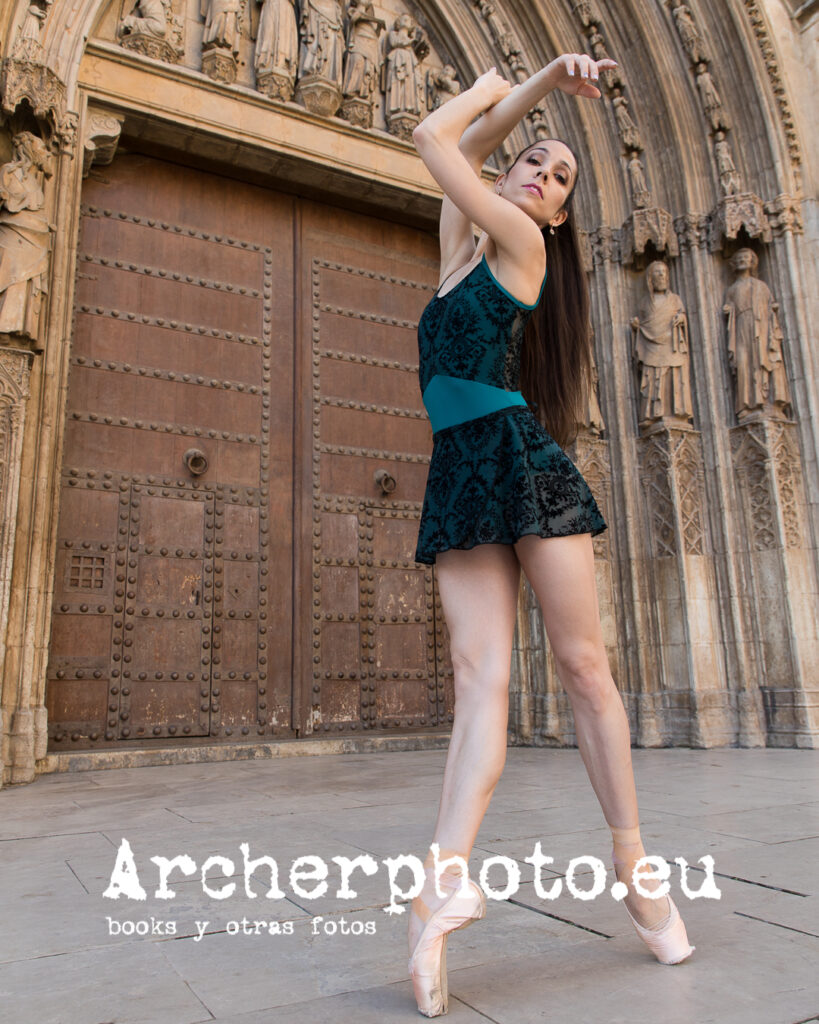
495	474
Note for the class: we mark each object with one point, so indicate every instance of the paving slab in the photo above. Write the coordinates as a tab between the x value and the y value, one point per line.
68	955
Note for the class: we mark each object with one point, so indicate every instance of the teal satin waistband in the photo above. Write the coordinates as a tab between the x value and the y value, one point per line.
452	400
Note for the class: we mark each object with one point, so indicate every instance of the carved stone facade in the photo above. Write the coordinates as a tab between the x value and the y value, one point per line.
699	439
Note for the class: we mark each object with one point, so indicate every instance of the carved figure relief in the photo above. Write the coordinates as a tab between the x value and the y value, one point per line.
220	41
147	17
729	180
361	63
754	342
690	34
441	86
629	134
276	56
25	236
321	56
711	100
660	332
640	195
406	47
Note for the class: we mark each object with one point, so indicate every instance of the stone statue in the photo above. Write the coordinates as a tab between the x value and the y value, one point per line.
221	24
640	195
322	49
625	125
441	86
361	63
147	17
321	56
690	34
220	41
152	28
754	341
611	77
25	236
406	46
661	349
729	180
276	56
711	100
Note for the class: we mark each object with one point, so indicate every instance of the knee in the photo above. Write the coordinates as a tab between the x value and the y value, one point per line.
480	674
587	677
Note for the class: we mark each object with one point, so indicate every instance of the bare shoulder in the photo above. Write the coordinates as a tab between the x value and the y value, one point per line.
520	269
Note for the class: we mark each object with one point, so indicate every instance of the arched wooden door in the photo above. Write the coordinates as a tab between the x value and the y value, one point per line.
244	461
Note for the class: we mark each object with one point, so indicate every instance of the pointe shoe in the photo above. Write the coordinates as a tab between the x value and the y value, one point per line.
669	943
668	940
427	965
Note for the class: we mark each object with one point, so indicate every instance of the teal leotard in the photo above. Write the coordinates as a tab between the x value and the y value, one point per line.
495	473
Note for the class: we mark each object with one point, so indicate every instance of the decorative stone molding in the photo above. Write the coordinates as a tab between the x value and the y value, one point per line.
15	366
733	214
692	230
100	138
785	215
653	225
768	52
25	76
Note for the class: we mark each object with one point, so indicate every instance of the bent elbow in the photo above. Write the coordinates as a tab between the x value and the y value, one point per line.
420	133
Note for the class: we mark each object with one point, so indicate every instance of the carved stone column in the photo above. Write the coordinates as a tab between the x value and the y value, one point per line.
770	493
681	590
15	366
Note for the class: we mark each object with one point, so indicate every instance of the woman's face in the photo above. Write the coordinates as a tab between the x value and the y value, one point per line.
540	181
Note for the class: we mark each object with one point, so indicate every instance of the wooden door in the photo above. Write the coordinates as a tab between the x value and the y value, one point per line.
233	562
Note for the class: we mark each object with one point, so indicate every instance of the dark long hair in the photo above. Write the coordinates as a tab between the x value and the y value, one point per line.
556	357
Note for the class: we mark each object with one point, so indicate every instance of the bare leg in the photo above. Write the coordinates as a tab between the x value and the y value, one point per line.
561	572
479	592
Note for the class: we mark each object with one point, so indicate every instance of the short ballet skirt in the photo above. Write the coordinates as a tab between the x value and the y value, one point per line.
496	478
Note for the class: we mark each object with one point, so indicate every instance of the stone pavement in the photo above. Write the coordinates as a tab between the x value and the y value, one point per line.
67	957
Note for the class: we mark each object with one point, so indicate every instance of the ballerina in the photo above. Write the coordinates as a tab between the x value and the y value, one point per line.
511	310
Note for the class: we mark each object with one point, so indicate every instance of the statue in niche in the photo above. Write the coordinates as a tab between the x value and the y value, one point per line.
660	332
406	46
690	34
276	56
625	125
321	56
25	236
611	77
361	63
153	29
640	195
730	182
221	24
711	100
147	17
754	341
220	41
441	86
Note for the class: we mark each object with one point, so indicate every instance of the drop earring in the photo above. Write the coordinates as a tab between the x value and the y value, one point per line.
552	229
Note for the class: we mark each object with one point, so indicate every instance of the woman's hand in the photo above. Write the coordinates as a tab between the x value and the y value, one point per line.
492	86
577	74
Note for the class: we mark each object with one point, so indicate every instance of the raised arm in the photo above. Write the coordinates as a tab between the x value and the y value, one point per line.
454	152
436	139
572	73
